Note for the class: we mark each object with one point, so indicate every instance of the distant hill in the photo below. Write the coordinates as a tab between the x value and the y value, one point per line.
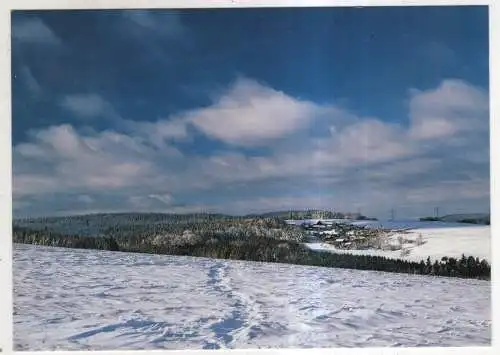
99	223
295	214
476	218
311	214
472	218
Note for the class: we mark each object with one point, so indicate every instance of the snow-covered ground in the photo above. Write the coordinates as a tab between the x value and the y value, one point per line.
439	241
81	299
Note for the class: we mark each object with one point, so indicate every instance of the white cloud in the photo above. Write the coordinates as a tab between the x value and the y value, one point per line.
87	105
252	114
108	160
34	184
453	107
85	199
165	198
31	82
367	141
450	191
92	106
33	30
138	203
147	202
161	131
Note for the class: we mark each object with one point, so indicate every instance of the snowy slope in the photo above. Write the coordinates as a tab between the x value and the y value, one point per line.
80	299
451	241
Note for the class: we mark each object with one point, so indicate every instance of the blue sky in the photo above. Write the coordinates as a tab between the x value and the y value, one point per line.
247	110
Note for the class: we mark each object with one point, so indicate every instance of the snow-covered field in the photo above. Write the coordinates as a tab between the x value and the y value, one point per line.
81	299
450	240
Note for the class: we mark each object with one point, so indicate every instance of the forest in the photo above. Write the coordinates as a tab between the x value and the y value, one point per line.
265	239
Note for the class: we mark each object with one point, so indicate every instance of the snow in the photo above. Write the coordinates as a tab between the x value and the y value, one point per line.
441	241
66	299
329	232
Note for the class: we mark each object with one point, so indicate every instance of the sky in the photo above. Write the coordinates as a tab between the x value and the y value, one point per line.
251	110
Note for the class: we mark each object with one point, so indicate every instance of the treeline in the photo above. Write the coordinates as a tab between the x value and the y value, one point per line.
472	218
482	221
258	248
430	219
54	239
97	224
475	221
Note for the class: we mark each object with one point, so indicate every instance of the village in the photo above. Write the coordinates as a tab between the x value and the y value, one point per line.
344	235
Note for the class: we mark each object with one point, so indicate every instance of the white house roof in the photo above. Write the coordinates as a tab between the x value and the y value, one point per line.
331	232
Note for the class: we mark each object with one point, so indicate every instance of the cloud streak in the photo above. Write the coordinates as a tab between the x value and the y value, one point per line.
34	31
87	106
167	25
252	114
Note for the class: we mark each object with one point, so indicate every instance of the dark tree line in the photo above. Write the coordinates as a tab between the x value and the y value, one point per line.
485	221
54	239
217	242
482	219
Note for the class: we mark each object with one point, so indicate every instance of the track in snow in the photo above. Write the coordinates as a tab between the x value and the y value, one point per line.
79	299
